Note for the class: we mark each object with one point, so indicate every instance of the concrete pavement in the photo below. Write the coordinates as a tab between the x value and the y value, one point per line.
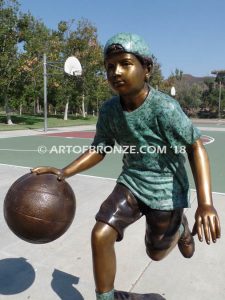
30	132
63	269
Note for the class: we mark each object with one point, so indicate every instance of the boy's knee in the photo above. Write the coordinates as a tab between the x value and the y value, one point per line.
155	254
157	249
158	253
97	236
103	235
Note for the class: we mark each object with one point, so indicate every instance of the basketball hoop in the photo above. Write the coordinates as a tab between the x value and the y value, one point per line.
72	66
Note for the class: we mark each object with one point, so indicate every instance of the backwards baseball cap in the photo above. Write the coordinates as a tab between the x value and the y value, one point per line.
132	43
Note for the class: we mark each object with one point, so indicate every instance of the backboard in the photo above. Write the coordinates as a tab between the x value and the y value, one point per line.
72	66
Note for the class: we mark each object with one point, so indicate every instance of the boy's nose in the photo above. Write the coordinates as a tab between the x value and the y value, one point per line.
117	70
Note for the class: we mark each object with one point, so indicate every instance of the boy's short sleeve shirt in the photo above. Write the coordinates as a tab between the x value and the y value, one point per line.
154	137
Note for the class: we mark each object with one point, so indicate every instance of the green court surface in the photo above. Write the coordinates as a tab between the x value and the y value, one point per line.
42	150
62	269
25	151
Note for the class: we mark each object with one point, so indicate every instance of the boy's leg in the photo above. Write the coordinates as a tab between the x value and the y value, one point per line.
117	212
103	255
164	230
186	242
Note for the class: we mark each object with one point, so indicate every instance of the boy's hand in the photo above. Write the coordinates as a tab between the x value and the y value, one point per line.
49	170
207	221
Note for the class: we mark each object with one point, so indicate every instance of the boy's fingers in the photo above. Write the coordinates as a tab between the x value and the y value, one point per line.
60	176
40	170
217	225
50	170
206	229
212	229
199	229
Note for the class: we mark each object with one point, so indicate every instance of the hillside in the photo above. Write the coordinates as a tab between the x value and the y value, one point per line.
189	79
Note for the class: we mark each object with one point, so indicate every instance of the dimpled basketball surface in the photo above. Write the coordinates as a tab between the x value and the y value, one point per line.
39	208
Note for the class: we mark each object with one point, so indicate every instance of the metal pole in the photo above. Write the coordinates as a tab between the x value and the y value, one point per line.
83	98
83	107
45	94
219	115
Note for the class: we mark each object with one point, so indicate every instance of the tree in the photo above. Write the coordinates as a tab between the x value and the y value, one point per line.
178	74
9	39
82	42
24	40
36	41
156	79
210	96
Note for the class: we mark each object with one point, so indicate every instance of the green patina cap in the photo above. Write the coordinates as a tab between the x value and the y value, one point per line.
132	43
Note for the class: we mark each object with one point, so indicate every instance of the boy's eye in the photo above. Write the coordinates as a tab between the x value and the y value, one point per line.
110	66
126	63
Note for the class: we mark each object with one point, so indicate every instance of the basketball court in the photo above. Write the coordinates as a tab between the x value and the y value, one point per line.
63	269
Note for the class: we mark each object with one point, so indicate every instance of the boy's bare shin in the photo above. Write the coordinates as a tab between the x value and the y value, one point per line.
103	255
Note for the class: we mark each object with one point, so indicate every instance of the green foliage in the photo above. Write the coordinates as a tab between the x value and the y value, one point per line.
156	78
23	41
189	96
35	122
9	39
199	96
210	97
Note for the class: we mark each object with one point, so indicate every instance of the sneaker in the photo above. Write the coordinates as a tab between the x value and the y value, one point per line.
186	242
122	295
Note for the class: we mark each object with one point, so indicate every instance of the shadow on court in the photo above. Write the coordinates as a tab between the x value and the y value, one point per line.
200	278
16	275
62	283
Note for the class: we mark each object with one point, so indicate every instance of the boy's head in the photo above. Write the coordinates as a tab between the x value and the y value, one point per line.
129	43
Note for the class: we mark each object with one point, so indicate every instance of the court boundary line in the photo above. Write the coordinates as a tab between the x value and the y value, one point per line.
211	139
92	176
18	150
64	137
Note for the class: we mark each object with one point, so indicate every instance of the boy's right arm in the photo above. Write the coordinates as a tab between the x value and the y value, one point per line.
87	160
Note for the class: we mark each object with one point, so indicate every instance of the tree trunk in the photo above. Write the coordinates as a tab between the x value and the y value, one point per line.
83	108
34	107
9	121
97	107
7	112
37	106
21	108
66	110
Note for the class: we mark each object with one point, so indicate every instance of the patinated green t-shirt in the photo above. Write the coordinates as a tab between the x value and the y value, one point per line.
154	137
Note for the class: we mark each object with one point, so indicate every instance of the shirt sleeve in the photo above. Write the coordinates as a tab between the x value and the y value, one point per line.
177	128
103	139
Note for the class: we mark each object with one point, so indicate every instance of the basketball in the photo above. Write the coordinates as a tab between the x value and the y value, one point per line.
39	208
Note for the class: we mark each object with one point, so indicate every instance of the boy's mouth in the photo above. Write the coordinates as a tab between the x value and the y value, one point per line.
118	83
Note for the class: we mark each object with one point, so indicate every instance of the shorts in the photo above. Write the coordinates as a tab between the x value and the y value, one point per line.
121	209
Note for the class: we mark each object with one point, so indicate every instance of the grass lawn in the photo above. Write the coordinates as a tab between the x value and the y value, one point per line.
36	122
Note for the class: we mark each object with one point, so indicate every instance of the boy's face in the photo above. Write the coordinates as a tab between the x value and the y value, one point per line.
125	73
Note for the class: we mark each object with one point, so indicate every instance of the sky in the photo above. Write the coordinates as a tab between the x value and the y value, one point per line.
184	34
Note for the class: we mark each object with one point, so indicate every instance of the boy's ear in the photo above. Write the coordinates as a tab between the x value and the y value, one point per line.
148	72
150	69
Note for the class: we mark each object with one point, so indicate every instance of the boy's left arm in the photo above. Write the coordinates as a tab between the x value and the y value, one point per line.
206	218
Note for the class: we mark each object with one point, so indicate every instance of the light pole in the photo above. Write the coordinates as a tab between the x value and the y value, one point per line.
45	94
220	74
45	75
